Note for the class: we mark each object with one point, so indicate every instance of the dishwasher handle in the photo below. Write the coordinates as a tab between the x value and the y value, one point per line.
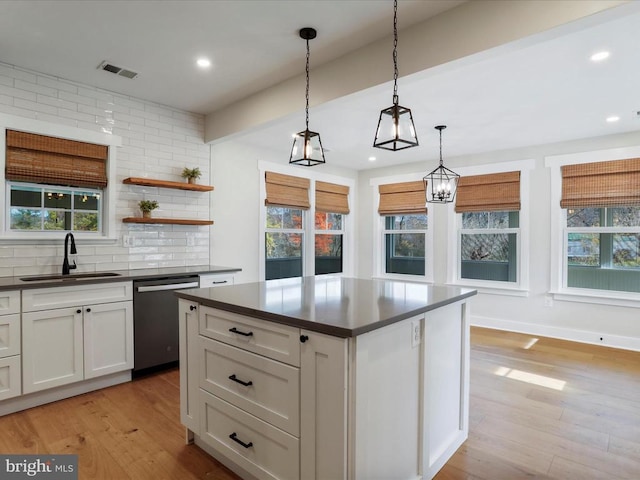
171	286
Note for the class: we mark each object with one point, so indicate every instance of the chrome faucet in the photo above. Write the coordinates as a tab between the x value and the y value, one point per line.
66	268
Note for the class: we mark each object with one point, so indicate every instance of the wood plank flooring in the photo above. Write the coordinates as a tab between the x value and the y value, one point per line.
540	409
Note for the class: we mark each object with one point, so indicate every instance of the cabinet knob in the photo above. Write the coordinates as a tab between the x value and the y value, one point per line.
78	311
192	307
88	310
304	338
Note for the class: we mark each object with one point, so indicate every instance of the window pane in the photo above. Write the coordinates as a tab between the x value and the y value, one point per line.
57	199
583	249
625	216
283	255
328	254
625	250
25	219
405	253
406	222
475	220
499	220
489	257
85	221
86	201
282	217
328	221
26	197
57	220
584	217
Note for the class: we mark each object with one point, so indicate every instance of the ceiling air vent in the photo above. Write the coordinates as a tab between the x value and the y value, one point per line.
123	72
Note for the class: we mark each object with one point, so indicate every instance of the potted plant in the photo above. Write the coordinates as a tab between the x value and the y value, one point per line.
146	206
191	174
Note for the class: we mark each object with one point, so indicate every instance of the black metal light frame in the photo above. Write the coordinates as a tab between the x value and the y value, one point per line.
396	130
443	181
307	147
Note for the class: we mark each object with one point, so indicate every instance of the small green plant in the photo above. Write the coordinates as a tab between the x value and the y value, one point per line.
148	205
191	173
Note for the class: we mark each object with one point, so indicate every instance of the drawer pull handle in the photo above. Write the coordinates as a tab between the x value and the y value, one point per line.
220	282
237	380
246	334
235	438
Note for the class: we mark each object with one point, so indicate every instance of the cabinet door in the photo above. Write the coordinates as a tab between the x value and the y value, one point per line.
189	377
51	348
10	377
323	405
108	338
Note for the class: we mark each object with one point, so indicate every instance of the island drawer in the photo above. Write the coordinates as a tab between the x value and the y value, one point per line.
265	388
9	335
261	449
273	340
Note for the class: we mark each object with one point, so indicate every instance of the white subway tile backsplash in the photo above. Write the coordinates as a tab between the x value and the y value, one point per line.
157	142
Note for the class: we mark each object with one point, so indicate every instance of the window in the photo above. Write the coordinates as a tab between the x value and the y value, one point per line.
405	244
46	208
328	243
56	184
284	242
603	248
488	246
600	205
488	208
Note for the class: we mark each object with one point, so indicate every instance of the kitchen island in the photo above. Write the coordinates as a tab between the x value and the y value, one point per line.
326	377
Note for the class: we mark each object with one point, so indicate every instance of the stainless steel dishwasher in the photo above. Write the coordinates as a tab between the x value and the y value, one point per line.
155	321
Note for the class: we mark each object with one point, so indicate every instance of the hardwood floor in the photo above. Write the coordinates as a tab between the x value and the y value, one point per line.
540	409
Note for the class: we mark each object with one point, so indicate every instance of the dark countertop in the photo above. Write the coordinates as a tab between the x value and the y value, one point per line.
14	283
338	306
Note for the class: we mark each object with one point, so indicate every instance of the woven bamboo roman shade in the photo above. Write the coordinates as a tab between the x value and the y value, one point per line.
332	198
287	191
601	184
495	192
402	198
41	159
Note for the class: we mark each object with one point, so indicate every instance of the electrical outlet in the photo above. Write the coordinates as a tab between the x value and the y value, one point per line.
416	333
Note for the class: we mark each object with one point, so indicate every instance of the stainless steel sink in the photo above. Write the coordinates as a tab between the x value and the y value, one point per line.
77	276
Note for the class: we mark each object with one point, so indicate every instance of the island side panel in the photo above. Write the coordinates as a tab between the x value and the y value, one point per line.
387	374
446	385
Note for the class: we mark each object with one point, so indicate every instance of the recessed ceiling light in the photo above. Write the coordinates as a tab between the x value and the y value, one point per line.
372	159
600	56
613	118
203	62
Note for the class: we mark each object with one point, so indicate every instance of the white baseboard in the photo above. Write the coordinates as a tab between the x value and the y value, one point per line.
581	336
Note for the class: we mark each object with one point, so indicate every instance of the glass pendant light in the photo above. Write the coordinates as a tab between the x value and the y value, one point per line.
307	147
442	181
395	126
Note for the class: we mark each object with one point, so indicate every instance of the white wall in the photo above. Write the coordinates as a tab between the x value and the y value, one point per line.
157	141
618	326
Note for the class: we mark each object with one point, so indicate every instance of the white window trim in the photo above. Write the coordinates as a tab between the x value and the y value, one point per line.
109	234
558	249
308	259
521	286
379	229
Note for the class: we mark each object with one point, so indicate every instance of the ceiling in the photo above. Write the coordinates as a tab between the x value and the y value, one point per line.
534	92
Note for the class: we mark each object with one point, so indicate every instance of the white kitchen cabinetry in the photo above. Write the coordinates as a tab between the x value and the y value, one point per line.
90	334
277	402
10	378
216	279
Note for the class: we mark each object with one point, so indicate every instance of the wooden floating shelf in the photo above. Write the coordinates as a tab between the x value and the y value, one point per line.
150	182
170	221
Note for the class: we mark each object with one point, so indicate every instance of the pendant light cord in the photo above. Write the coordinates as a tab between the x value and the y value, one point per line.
440	147
307	92
395	52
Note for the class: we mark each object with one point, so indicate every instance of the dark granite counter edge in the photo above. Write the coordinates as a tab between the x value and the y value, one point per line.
317	326
14	283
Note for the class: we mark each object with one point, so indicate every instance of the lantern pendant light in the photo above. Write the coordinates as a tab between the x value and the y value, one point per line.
442	181
395	125
307	147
